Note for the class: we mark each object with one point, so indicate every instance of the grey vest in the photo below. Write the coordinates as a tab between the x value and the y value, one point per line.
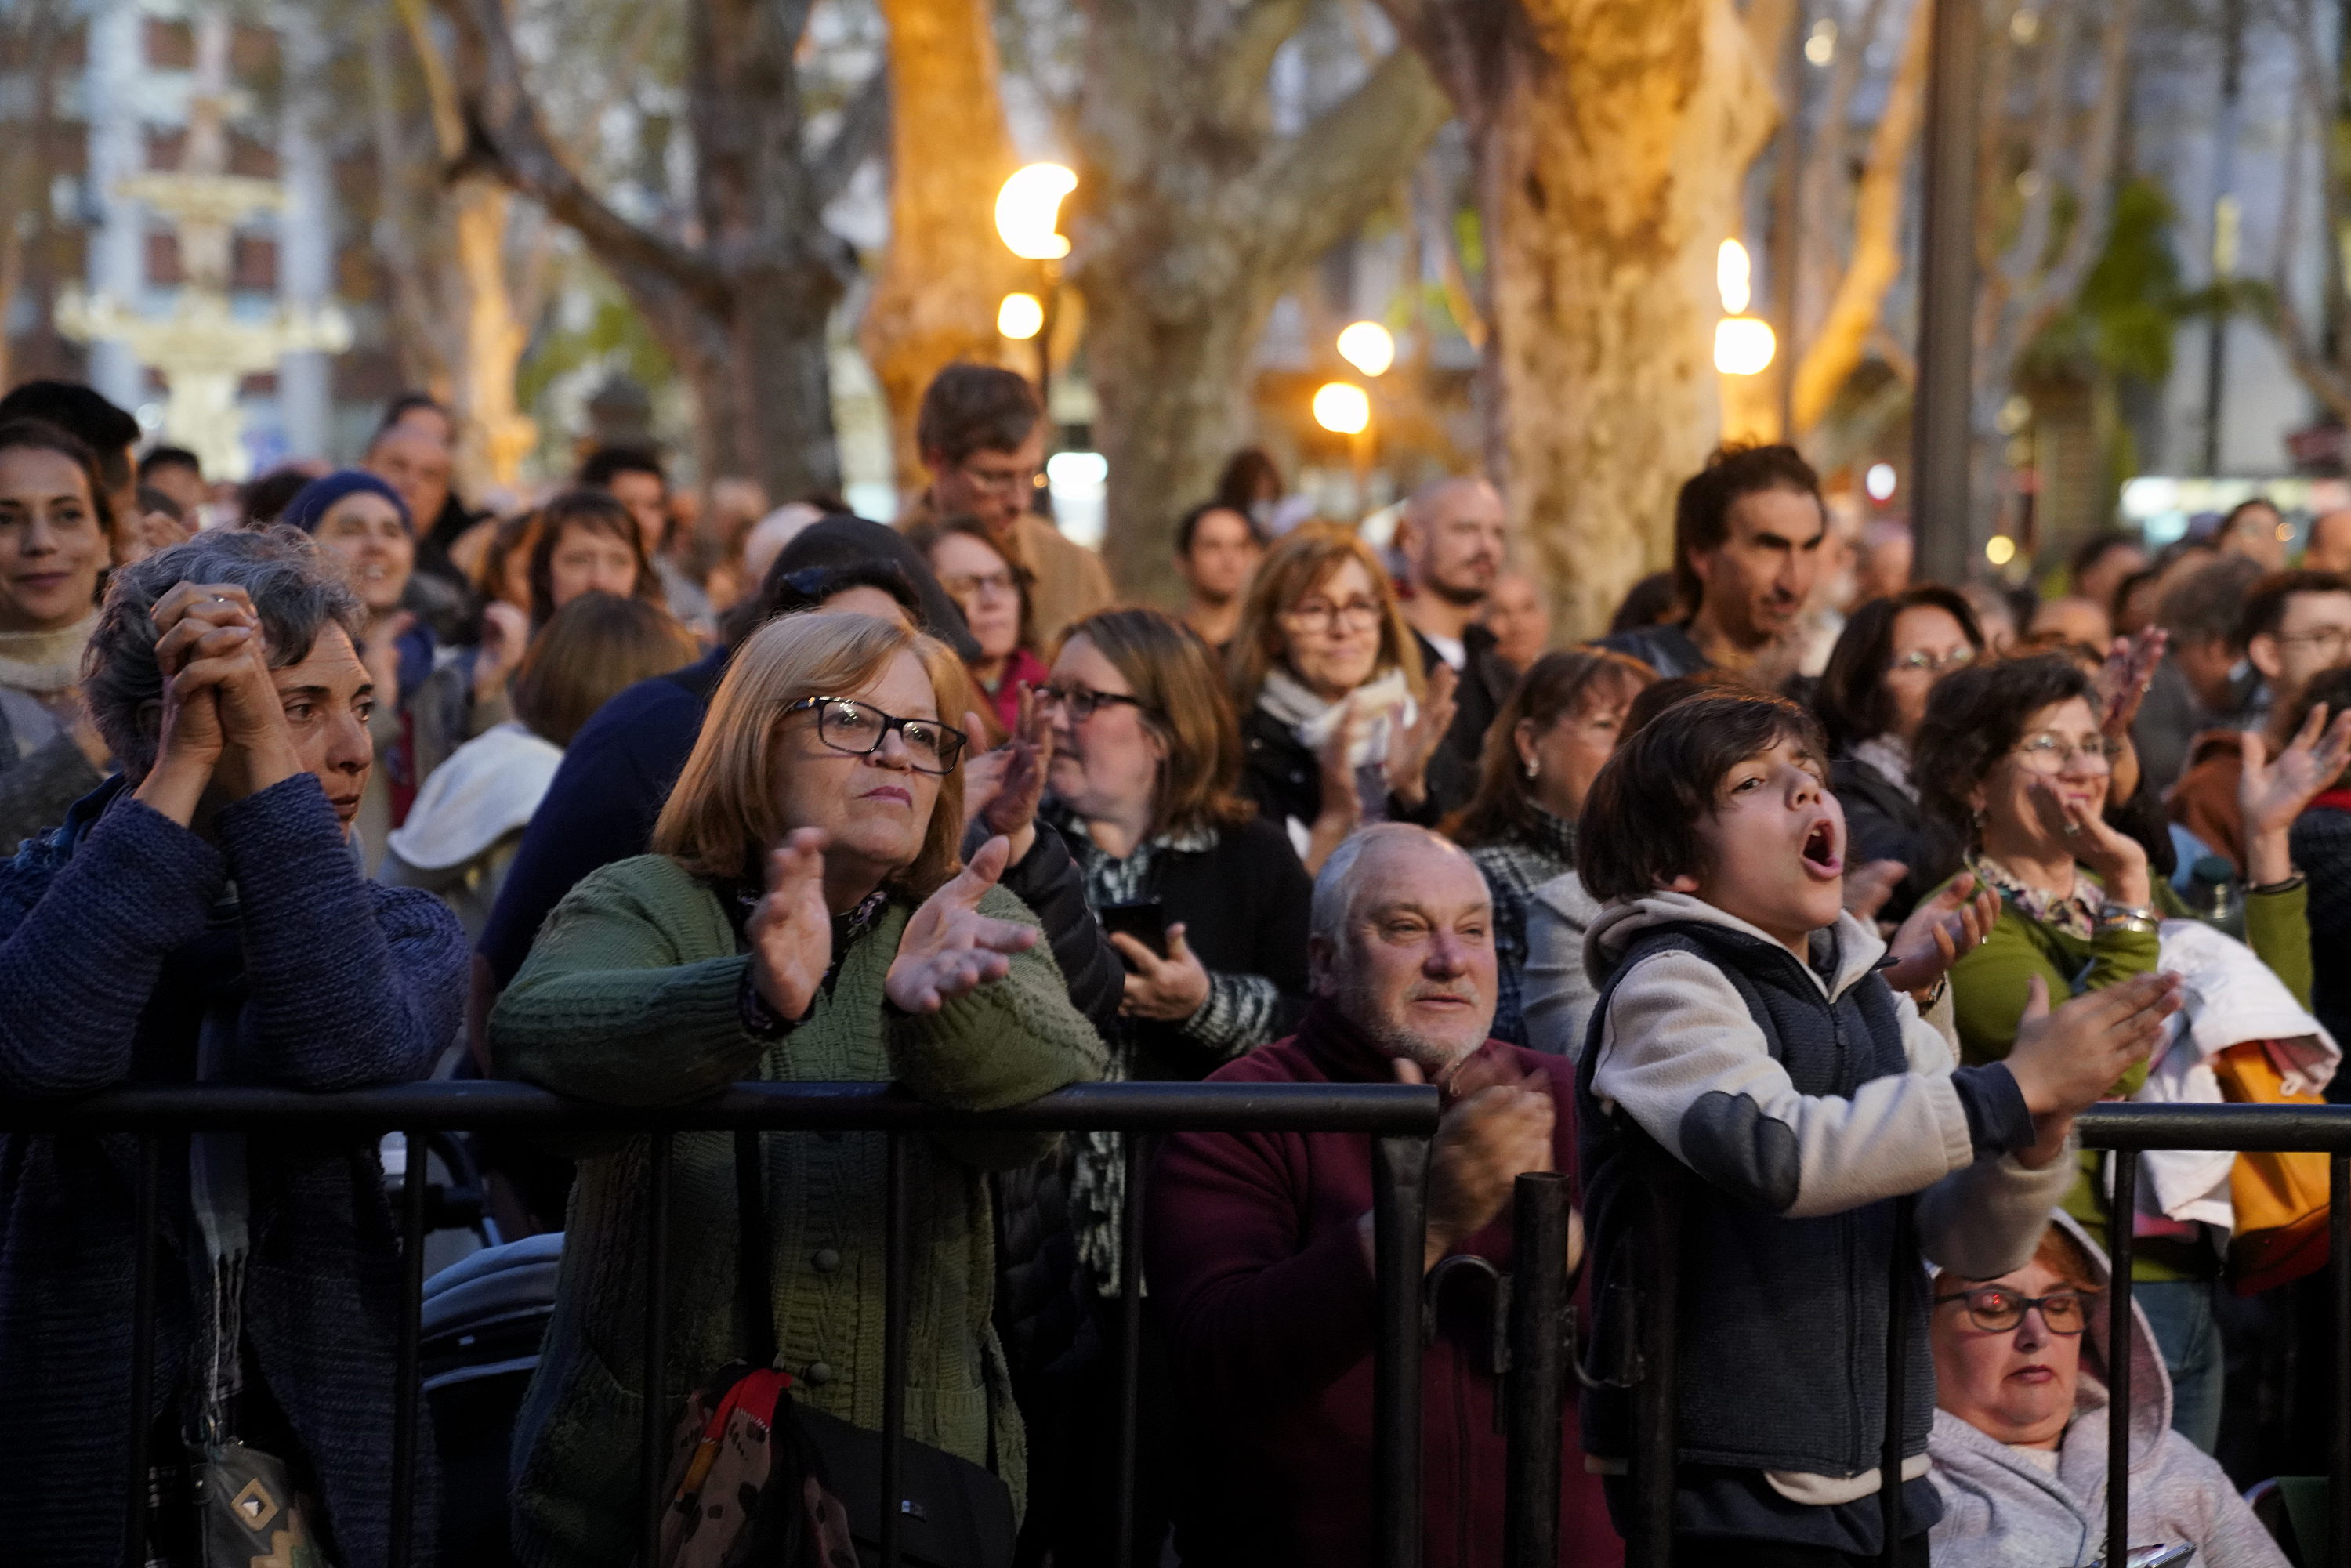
1781	1323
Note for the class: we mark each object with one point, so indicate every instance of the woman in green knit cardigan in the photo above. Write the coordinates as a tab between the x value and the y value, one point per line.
2019	758
802	918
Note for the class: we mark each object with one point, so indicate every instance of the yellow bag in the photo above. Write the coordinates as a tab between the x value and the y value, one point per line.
2279	1198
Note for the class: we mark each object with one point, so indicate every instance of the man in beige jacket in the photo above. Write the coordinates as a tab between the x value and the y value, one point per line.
982	434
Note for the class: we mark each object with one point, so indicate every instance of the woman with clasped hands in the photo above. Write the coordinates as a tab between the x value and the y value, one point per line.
201	916
802	917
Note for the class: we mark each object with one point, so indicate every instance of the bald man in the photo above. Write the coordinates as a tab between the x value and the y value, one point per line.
1451	538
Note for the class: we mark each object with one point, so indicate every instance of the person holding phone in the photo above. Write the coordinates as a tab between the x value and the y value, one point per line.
1202	897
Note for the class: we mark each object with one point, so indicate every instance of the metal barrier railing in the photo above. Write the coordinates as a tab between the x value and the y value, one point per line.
2128	1130
1399	1120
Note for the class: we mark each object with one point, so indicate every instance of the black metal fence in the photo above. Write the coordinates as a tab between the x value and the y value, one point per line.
1399	1120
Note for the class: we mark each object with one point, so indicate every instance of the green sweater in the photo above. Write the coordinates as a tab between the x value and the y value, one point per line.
630	996
1988	987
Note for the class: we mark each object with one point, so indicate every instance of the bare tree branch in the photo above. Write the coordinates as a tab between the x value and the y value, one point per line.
864	130
1877	262
2326	378
509	139
2093	183
1235	81
1375	129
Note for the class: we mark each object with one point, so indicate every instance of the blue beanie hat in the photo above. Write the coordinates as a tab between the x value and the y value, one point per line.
314	500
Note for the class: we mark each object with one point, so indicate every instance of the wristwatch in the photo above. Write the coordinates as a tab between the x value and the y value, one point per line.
2125	918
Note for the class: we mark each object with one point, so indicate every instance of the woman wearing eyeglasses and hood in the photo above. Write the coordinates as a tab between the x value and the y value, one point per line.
2018	1448
802	917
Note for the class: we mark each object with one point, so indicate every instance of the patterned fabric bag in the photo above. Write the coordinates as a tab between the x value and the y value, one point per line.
746	1487
751	1473
247	1514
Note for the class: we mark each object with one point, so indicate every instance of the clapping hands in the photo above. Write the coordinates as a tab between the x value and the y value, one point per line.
1940	932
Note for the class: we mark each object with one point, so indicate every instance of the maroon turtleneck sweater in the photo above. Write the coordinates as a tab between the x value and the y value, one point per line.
1256	1270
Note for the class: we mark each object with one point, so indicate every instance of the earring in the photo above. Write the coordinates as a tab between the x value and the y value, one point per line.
1532	768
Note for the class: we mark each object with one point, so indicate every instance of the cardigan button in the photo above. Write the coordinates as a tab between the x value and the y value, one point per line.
819	1373
825	1260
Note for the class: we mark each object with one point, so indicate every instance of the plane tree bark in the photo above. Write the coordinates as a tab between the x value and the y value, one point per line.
1193	215
1611	139
740	297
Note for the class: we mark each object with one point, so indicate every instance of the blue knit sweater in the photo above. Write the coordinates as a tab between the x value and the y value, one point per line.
114	941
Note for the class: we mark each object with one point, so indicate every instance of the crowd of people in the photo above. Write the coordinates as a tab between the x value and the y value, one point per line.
1812	900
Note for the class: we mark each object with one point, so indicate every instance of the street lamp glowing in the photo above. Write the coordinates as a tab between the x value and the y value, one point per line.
1369	347
1743	346
1021	317
1028	209
1734	277
1999	550
1342	409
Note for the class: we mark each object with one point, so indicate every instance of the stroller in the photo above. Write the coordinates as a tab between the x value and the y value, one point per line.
484	1318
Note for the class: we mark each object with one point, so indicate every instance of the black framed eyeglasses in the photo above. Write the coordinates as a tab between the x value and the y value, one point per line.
1995	1309
1081	700
860	728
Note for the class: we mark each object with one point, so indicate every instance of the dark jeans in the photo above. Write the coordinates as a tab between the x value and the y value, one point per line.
1714	1551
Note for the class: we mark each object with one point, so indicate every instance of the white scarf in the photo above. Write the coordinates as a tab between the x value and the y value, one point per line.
45	664
1385	702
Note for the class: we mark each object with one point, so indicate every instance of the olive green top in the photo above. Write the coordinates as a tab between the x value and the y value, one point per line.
632	996
1988	987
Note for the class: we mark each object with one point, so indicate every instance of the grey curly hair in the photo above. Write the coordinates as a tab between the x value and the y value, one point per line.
295	591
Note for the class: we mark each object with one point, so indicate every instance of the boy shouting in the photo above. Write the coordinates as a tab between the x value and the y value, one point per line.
1754	1049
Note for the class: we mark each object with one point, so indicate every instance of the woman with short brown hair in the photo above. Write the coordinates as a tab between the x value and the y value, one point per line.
1208	906
1337	728
802	917
584	541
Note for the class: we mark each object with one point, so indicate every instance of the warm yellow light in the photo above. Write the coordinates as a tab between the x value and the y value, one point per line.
1999	550
1369	347
1743	345
1341	407
1028	210
1020	316
1734	275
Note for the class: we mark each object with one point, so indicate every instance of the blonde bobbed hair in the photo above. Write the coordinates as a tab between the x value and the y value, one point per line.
723	816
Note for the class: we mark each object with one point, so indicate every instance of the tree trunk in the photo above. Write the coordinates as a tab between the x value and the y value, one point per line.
1612	138
1192	216
494	435
1171	377
741	303
947	270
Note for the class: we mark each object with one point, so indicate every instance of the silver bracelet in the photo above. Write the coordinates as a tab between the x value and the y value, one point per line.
2139	917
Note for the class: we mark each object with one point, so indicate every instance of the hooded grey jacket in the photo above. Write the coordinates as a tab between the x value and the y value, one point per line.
2002	1511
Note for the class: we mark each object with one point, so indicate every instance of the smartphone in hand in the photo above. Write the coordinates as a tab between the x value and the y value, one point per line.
1142	919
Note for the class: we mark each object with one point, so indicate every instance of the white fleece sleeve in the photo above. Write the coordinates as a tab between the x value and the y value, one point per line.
1681	1056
